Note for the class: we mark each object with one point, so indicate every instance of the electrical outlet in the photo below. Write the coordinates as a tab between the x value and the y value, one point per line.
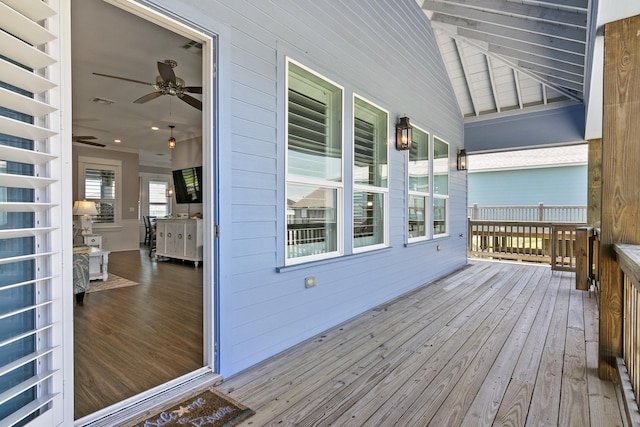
309	282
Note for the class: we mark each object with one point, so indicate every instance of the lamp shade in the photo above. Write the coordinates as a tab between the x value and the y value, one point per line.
83	207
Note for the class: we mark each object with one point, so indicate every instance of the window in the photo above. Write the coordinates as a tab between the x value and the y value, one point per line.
440	187
158	200
101	183
314	166
418	211
370	175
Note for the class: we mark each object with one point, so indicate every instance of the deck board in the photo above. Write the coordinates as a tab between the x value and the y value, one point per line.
491	344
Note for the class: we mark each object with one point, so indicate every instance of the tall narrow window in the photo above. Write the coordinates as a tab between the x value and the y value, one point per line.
440	187
158	200
100	187
101	184
314	166
370	175
418	206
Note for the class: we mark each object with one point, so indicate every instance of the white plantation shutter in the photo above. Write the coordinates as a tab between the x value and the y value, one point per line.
30	216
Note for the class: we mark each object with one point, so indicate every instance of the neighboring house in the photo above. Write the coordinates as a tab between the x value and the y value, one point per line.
552	176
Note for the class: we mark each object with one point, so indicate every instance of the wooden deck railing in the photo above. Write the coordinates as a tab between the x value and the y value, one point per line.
538	213
528	241
628	257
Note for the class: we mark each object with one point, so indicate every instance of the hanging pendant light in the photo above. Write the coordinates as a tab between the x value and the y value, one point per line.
172	140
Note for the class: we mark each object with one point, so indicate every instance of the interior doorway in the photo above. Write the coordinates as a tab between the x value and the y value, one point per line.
136	73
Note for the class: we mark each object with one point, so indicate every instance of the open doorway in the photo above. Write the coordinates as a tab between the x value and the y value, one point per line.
134	78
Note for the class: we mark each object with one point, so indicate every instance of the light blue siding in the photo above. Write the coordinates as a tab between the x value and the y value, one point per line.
376	49
542	128
565	185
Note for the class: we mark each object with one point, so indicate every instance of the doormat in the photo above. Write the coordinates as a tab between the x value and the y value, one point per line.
112	282
209	408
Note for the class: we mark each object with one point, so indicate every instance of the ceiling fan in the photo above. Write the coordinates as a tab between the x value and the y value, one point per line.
84	140
166	84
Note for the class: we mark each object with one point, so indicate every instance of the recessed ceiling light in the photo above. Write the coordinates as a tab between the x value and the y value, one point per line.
154	128
117	141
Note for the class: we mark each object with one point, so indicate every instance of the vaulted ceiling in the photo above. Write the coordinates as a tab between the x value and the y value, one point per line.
504	55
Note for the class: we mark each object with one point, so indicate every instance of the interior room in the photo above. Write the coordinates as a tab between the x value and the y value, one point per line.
137	88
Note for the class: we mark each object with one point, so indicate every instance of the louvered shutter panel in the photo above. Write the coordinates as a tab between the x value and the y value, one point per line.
30	242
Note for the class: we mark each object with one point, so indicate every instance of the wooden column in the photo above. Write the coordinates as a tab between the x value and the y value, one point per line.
620	177
594	179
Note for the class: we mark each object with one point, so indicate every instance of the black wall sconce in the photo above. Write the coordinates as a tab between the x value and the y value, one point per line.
403	134
462	160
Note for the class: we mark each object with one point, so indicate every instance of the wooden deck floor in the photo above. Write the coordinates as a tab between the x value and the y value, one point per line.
492	344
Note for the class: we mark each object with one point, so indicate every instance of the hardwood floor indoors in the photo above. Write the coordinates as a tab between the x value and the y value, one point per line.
128	340
495	343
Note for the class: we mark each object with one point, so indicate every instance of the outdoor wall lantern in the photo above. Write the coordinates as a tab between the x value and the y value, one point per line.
462	160
403	134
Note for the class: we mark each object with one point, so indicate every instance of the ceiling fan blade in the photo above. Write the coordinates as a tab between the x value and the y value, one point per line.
123	78
192	101
77	138
147	98
193	89
95	144
166	72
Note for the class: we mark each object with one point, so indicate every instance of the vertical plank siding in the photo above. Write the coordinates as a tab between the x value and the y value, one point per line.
621	188
379	50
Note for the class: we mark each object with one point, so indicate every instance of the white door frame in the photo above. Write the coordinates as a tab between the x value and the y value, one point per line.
209	142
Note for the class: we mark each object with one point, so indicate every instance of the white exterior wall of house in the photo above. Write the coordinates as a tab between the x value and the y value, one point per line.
382	51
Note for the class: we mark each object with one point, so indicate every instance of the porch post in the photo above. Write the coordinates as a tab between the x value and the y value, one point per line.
620	177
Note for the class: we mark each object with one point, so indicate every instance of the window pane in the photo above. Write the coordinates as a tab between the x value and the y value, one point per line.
314	126
370	145
158	191
417	216
419	162
100	184
106	213
311	220
440	167
439	216
368	218
158	210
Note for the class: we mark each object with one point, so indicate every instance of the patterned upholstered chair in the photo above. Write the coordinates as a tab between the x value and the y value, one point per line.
80	275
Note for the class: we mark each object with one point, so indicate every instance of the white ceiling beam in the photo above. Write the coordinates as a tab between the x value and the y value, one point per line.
465	69
534	49
566	84
545	71
573	4
516	82
474	16
546	40
533	59
538	13
492	80
514	64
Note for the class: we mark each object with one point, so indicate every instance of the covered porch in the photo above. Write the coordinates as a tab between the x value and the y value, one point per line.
494	343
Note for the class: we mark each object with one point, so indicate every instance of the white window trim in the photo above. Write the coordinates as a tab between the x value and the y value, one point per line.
339	186
369	188
428	204
444	197
85	163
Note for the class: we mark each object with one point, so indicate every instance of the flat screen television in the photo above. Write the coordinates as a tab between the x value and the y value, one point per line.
188	185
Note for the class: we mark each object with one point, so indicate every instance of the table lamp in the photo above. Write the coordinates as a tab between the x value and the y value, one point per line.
85	210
